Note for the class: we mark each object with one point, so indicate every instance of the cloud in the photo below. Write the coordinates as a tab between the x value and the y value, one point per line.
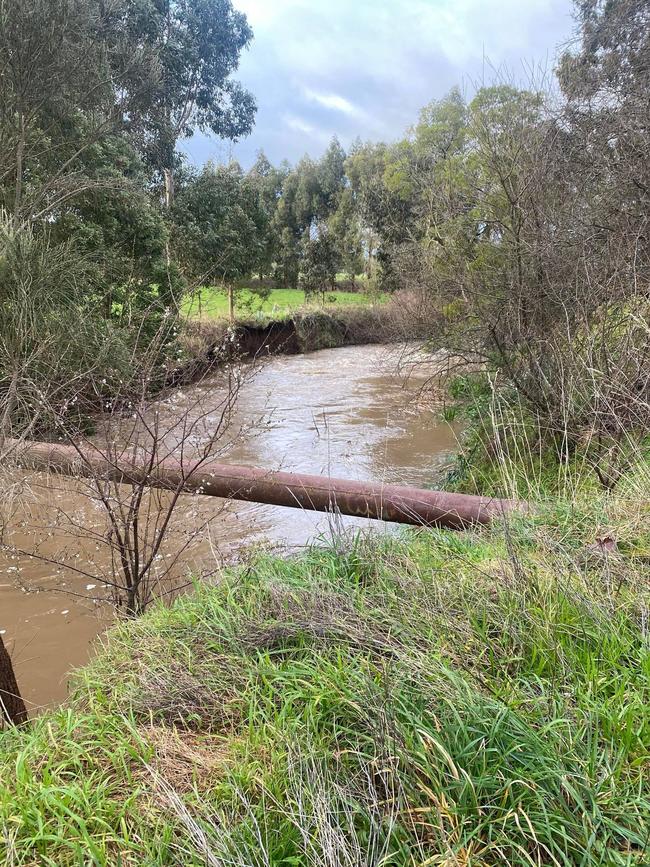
299	125
309	134
331	101
262	13
324	67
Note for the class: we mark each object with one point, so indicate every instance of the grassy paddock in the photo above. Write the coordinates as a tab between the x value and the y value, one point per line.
433	699
212	303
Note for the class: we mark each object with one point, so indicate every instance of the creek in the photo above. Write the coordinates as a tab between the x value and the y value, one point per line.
346	412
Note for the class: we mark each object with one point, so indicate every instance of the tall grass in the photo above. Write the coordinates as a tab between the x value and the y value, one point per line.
432	699
508	452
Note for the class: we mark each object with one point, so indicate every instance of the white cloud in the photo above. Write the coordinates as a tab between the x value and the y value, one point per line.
332	101
297	124
507	31
313	135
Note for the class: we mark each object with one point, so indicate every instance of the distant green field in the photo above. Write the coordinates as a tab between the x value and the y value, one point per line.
212	302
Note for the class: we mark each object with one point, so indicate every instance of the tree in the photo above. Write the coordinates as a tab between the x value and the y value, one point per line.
345	229
73	80
320	264
48	368
198	44
330	174
383	208
306	201
525	232
118	227
69	79
267	182
12	707
81	240
218	226
287	264
606	80
292	220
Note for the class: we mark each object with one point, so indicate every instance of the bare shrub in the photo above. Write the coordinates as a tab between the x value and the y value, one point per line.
132	538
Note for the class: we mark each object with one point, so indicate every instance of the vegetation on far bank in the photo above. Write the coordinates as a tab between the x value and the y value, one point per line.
212	302
433	698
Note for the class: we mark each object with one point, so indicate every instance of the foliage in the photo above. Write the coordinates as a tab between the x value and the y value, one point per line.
319	265
197	45
94	96
49	370
267	182
217	221
345	229
70	78
121	230
502	216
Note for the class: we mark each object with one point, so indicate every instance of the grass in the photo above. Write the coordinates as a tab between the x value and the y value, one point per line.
429	699
212	303
506	453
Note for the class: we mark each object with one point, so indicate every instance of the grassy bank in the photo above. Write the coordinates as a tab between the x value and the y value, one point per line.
304	331
212	303
437	698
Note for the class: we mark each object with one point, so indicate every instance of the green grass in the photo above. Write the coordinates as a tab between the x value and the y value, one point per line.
434	699
507	453
212	303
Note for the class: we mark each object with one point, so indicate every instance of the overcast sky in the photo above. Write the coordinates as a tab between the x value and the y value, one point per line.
365	67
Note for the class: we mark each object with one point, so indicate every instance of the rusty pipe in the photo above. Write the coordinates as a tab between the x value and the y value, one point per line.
396	503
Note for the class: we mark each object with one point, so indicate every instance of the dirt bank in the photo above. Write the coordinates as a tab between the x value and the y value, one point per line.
210	343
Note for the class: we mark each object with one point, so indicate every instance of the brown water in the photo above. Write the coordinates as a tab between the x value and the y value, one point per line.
344	412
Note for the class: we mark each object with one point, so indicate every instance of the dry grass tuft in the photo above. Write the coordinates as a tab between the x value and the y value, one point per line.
186	760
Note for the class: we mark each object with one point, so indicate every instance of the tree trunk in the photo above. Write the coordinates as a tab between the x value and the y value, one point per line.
231	302
12	706
168	202
169	188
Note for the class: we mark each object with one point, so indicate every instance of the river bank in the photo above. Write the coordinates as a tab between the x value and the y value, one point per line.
482	696
208	343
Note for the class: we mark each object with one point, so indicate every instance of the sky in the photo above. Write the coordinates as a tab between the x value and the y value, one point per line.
365	68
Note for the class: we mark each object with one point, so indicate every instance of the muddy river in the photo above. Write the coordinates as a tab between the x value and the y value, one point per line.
354	413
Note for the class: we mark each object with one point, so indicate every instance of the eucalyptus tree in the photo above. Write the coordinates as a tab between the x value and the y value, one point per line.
384	211
70	76
320	263
89	88
346	230
218	226
605	78
197	45
267	181
331	179
292	221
